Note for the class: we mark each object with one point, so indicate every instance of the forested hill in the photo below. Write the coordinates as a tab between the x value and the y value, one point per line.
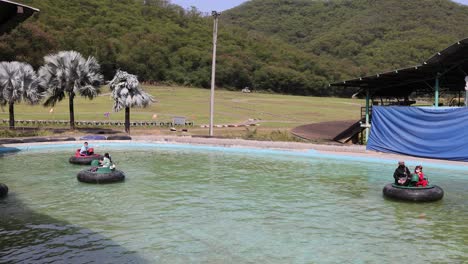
359	37
164	43
286	46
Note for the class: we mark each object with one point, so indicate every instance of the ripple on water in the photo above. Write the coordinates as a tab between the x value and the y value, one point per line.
196	206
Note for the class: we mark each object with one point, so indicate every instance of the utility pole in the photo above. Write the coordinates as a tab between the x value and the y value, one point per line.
213	67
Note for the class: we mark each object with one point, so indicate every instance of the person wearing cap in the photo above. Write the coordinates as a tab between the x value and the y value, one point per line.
402	174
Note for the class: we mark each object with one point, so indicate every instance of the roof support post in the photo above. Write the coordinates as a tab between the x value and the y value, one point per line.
367	114
465	103
466	99
436	94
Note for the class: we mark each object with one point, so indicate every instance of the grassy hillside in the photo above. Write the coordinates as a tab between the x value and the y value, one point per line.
271	110
358	37
163	43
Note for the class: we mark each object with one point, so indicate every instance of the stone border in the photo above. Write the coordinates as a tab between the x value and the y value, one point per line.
58	139
341	150
348	151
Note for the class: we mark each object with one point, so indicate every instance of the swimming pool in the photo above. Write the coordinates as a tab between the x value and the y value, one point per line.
185	204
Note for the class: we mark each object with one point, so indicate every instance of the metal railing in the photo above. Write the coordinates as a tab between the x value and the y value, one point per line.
363	113
93	123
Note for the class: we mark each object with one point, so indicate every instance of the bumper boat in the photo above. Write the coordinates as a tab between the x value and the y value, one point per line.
3	190
83	160
429	193
101	175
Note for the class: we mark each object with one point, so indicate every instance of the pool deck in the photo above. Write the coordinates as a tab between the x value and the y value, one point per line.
347	151
342	150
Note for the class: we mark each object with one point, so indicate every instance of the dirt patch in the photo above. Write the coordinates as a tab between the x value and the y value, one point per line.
324	131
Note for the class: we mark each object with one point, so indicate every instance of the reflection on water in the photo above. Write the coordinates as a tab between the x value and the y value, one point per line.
30	237
194	206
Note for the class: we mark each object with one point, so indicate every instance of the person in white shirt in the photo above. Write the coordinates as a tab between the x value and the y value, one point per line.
84	149
106	161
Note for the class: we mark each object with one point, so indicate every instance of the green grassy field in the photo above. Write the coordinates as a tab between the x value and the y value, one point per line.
272	110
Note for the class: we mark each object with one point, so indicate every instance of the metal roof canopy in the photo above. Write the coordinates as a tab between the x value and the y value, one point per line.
448	67
12	13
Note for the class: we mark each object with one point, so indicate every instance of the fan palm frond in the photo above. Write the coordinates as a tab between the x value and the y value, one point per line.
68	72
126	92
18	82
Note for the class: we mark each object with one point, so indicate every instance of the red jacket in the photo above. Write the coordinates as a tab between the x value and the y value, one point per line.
422	181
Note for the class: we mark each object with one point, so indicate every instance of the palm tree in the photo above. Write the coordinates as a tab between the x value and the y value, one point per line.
18	82
126	93
69	73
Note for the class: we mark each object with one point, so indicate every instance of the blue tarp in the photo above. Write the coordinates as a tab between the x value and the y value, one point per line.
440	133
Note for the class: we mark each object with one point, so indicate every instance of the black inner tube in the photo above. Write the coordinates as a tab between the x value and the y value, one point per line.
88	176
3	190
83	160
119	138
413	194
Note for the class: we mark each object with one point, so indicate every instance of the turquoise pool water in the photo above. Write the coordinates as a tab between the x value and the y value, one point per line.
215	205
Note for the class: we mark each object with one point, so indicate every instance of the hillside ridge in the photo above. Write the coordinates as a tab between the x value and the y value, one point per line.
359	37
282	46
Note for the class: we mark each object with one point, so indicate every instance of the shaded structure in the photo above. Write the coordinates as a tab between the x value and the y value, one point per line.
443	72
12	14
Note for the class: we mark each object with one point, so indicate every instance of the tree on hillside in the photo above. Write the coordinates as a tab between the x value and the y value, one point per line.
68	73
16	46
18	82
159	42
126	93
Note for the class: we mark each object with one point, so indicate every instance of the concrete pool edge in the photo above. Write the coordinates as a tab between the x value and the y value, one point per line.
350	153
